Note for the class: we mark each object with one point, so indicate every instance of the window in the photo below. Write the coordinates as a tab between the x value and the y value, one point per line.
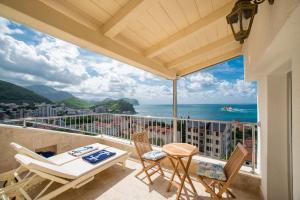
201	148
208	148
195	138
201	134
217	142
208	140
201	141
217	134
189	143
189	137
217	150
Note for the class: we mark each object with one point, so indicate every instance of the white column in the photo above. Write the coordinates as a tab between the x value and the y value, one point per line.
175	110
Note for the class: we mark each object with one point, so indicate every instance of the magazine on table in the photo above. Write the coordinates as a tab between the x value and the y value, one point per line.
82	150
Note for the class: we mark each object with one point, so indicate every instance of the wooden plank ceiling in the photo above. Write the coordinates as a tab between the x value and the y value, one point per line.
167	37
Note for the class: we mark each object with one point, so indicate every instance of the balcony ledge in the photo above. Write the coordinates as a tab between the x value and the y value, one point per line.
38	138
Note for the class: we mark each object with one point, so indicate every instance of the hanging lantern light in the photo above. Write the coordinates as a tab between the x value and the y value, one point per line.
242	16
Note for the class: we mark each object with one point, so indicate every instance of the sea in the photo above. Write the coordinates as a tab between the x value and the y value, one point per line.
241	112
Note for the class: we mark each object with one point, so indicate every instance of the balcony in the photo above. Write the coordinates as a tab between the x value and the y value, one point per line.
60	134
173	39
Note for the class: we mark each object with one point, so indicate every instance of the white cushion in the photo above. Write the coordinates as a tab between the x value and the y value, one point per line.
23	150
154	155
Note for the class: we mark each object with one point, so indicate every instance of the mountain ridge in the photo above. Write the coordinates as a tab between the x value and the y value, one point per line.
11	93
50	93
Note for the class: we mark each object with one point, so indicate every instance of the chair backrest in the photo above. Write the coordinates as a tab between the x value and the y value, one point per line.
38	165
235	161
141	142
23	150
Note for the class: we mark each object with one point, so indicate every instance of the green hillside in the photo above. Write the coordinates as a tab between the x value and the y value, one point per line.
116	106
134	102
77	103
50	93
10	93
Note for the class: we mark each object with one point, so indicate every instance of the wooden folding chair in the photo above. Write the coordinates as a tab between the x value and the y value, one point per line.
221	177
143	148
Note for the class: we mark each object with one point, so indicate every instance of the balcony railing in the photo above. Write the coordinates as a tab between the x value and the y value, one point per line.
215	139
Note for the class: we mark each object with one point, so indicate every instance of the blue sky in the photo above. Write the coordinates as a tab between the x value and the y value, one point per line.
29	57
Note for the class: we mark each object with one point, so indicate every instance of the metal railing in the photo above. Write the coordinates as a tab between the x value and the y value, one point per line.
215	139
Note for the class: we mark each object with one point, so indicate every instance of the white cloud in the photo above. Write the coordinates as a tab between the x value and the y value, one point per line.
4	29
62	65
204	87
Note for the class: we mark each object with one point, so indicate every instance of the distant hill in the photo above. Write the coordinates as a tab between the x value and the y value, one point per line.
50	93
10	93
114	106
134	102
77	103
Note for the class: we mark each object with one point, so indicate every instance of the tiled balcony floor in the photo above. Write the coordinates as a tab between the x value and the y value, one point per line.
117	184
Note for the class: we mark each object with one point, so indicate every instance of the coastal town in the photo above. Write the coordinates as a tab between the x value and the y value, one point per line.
25	110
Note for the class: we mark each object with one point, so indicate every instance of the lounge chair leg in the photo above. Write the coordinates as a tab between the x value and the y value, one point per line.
124	165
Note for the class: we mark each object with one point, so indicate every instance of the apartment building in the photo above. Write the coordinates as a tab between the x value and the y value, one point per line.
212	139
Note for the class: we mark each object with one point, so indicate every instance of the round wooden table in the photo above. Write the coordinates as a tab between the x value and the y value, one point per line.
176	152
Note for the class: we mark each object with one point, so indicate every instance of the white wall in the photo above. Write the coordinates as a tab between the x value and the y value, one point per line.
263	138
273	49
277	137
296	125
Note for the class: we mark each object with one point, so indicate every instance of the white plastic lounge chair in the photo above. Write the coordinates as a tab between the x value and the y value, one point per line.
56	160
16	175
14	178
73	174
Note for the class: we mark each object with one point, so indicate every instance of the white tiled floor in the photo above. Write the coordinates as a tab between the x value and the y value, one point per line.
117	184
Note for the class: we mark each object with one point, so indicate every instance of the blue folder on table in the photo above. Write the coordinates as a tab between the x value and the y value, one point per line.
98	156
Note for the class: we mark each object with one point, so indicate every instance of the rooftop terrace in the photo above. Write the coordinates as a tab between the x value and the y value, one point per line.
114	182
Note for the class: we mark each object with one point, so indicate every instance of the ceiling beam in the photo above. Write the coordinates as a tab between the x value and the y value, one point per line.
120	20
40	16
213	61
199	52
188	31
74	13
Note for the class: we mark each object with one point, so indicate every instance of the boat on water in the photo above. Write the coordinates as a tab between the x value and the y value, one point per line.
227	108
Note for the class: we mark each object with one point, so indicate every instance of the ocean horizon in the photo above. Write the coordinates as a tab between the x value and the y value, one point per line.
240	112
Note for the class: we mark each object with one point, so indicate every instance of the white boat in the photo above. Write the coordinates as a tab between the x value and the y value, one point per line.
227	108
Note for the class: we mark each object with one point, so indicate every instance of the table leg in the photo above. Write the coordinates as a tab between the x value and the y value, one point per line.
182	181
186	171
175	166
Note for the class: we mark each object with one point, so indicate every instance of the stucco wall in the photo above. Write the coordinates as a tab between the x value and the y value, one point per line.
259	49
273	48
296	126
277	159
263	138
